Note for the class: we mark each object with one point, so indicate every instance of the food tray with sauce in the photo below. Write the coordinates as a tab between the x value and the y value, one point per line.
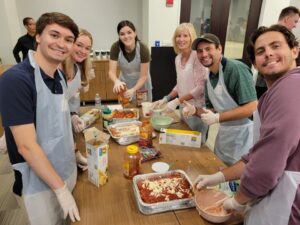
125	115
123	137
166	192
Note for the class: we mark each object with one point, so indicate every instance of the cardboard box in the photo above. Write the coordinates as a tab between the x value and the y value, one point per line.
97	148
90	117
180	137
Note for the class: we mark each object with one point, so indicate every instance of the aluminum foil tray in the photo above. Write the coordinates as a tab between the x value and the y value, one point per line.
121	120
125	140
159	207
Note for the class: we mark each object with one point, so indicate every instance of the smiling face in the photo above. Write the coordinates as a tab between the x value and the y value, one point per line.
183	40
54	43
127	37
273	56
209	55
81	48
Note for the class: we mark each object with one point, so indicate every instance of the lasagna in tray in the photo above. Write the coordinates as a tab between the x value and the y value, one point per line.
164	188
124	114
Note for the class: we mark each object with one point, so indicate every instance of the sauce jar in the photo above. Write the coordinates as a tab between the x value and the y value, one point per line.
146	133
121	97
132	161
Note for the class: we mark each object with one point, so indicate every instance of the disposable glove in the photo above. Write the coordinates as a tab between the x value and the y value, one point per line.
67	203
209	180
81	161
188	110
172	105
78	123
3	147
159	103
232	204
129	93
209	117
118	86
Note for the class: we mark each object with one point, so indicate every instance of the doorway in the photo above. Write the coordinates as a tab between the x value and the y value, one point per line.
231	20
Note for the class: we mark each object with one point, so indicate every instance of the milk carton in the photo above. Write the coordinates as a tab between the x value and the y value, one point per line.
97	148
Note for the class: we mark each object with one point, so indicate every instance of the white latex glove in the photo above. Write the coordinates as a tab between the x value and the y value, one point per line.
81	161
231	204
209	117
3	147
67	203
209	180
118	86
172	105
78	123
188	109
159	103
129	93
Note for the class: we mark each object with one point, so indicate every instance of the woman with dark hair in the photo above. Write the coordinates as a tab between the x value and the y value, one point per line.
133	58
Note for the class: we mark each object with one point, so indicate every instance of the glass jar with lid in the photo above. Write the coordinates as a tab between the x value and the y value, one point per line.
125	102
132	161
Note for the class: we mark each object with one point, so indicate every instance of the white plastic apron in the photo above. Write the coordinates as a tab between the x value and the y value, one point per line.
130	72
73	91
185	83
234	138
54	135
275	208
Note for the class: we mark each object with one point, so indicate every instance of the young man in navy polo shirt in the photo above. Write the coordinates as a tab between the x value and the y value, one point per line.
37	124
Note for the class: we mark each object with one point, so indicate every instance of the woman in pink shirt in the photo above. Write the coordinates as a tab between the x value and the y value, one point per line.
191	76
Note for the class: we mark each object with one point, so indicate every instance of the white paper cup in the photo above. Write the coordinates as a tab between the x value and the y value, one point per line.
146	107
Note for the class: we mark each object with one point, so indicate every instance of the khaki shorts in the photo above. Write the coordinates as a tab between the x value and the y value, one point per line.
21	204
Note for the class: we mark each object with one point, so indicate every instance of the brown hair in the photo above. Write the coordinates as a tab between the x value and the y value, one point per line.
58	18
291	10
26	20
122	24
85	67
288	35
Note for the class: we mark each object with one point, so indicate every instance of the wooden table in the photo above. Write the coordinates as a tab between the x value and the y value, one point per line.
115	204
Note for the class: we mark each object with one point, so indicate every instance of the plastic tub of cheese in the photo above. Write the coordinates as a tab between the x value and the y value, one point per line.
209	203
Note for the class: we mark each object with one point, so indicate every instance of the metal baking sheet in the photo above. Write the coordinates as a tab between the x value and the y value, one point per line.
159	207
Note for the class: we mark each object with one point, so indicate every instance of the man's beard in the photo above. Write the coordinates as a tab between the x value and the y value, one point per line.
209	65
273	77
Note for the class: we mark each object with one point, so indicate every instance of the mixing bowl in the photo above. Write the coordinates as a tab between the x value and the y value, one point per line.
159	122
209	205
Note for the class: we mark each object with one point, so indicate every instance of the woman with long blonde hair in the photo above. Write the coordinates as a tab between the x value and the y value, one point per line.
191	76
78	70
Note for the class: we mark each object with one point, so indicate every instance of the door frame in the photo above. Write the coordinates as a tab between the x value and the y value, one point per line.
218	25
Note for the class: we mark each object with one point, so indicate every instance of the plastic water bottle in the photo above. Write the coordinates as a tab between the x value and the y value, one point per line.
98	102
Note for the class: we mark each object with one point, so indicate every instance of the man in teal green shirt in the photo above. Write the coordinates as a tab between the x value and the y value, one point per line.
230	99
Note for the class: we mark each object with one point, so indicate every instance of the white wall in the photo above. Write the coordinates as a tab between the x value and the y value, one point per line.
10	30
100	17
270	11
162	21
